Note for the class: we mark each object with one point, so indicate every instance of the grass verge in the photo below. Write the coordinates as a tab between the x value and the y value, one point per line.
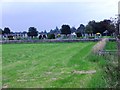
108	68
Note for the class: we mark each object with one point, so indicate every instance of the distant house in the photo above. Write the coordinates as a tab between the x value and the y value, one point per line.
16	35
19	35
105	32
73	35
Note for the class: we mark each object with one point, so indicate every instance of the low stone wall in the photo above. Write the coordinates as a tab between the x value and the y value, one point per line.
47	40
112	39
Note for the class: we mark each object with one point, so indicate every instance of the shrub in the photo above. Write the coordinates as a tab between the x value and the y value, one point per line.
44	36
92	37
18	38
79	34
10	38
40	37
51	36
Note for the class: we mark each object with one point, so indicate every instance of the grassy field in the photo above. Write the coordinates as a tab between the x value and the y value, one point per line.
49	65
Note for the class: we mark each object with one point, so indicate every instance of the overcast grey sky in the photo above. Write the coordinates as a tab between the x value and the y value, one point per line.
45	15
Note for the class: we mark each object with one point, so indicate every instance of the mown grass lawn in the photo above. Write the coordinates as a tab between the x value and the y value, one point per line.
48	65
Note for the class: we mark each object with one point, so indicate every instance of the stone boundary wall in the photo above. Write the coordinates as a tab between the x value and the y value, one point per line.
47	40
112	39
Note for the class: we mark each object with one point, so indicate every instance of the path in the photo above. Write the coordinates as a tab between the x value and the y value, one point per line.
100	45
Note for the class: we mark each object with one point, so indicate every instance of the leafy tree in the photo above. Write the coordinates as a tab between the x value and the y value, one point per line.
1	31
95	26
32	32
6	30
79	34
40	36
45	32
73	29
111	29
88	29
106	25
44	36
65	30
24	32
10	37
102	26
81	29
55	31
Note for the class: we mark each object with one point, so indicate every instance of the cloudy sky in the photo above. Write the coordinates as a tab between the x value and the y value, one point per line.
19	15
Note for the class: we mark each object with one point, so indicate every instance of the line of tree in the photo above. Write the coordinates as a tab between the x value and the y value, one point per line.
92	27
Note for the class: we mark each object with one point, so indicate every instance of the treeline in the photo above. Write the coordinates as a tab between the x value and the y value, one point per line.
92	27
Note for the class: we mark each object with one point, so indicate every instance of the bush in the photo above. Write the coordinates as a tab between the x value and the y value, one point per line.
79	34
10	38
18	38
92	37
51	36
40	37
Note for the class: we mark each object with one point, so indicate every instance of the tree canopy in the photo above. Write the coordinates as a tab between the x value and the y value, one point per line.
102	26
32	32
73	29
89	29
81	29
6	30
92	27
65	30
1	31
